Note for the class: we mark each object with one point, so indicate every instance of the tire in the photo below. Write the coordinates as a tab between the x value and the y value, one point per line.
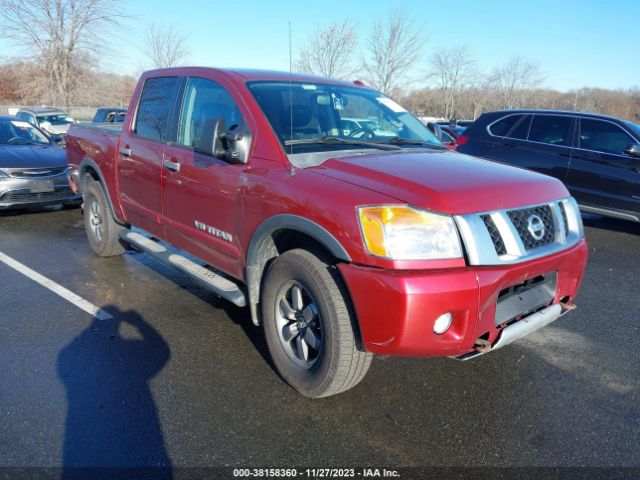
102	230
302	293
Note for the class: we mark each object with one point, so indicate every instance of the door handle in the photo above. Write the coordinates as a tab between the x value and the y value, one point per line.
175	166
125	151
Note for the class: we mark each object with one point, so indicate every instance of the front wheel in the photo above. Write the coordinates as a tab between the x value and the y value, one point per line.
309	326
102	230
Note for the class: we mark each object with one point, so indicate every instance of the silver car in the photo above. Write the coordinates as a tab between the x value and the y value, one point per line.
33	169
51	120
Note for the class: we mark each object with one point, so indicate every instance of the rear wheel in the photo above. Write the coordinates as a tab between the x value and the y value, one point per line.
102	230
310	328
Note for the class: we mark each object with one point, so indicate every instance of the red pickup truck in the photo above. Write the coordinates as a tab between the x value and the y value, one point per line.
343	242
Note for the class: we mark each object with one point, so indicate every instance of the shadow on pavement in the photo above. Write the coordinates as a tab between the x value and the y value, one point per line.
35	210
112	420
240	316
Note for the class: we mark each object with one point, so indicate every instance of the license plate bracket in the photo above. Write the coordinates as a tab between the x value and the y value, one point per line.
41	186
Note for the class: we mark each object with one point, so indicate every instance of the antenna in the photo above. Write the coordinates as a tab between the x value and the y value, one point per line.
290	93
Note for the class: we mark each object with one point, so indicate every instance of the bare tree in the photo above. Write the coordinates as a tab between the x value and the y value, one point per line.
473	101
57	30
165	46
513	81
391	51
454	71
329	51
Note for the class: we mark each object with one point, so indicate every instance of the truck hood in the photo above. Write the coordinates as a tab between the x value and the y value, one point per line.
32	156
447	182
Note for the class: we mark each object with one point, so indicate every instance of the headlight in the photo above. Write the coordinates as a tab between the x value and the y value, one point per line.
2	174
400	232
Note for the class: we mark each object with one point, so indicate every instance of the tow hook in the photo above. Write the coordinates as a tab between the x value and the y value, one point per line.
567	307
482	345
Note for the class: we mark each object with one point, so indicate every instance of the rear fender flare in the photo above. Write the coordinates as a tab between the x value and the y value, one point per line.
89	164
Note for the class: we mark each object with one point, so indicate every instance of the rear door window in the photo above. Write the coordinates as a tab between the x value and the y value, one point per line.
155	110
551	129
603	137
501	128
521	131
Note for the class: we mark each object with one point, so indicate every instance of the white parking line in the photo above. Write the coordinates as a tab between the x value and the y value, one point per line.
68	295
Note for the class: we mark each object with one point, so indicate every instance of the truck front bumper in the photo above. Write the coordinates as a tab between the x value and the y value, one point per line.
397	309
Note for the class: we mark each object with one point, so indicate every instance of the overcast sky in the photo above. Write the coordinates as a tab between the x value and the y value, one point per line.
576	43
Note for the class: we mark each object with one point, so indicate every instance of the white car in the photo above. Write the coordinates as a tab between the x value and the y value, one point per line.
51	120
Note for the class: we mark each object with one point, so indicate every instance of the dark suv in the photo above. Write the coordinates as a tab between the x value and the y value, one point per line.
596	156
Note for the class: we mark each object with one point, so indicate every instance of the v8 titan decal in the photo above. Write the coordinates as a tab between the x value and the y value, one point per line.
226	236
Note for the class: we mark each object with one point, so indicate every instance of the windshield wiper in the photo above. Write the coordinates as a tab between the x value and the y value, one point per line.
345	141
408	141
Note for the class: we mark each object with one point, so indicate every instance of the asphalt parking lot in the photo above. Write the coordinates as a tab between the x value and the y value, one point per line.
178	378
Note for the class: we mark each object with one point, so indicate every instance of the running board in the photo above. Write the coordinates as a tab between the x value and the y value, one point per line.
201	275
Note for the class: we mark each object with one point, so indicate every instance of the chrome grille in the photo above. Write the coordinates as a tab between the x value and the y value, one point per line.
22	196
509	236
33	172
563	214
520	220
495	235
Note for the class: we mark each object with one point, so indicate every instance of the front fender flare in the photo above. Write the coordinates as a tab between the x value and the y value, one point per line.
262	249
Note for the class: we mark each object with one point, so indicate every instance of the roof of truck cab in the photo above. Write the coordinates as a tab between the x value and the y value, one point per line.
250	75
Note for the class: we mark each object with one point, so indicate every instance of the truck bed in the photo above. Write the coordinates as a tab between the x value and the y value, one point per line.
108	127
96	143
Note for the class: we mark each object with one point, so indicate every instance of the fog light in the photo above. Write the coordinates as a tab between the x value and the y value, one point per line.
442	323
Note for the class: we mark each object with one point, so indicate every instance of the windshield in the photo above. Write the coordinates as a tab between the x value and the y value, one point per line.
635	128
19	132
300	113
57	119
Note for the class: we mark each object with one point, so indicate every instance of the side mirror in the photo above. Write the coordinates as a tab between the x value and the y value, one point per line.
230	145
632	150
60	140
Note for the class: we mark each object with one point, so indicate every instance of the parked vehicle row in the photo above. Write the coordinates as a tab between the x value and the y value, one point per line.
344	241
596	156
33	169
